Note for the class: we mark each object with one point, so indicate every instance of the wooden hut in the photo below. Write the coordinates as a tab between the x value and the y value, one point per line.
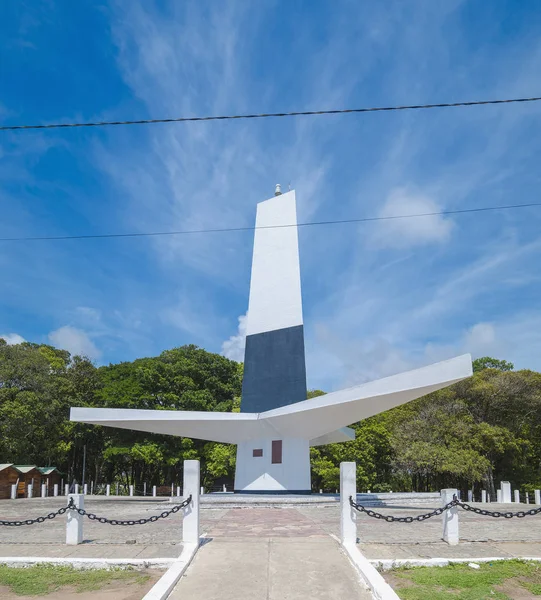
28	474
50	476
8	476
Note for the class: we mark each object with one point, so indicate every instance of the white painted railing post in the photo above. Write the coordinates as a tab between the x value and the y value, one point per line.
202	490
499	496
190	524
470	495
178	491
131	490
483	496
55	489
450	517
66	489
74	524
43	490
29	490
108	490
154	491
224	489
14	491
348	516
537	496
85	489
517	496
505	486
527	497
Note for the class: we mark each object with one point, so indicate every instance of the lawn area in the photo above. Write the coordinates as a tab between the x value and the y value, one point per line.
40	580
500	580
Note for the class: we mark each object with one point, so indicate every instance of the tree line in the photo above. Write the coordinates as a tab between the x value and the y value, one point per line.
470	435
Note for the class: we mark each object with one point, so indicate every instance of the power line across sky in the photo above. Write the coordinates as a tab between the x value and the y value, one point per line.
303	113
231	229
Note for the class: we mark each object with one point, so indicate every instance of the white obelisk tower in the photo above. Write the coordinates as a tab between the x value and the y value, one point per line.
277	425
274	365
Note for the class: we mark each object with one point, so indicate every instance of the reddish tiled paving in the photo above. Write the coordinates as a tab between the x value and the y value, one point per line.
264	522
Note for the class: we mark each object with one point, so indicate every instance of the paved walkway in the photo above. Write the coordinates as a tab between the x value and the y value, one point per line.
269	554
479	536
129	551
443	550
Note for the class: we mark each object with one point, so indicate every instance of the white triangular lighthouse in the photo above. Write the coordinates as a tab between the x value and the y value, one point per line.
277	424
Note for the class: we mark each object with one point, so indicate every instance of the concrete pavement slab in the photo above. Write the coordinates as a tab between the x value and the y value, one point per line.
270	569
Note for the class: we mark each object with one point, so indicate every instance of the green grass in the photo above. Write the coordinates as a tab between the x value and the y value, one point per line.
460	582
45	579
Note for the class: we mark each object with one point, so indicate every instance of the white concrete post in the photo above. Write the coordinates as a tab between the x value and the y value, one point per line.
483	496
348	516
131	490
91	488
178	491
29	489
537	496
172	489
108	490
55	489
450	518
117	488
190	524
499	496
14	491
517	496
527	497
202	490
224	489
470	495
66	489
154	491
43	490
74	524
145	488
321	491
85	489
505	486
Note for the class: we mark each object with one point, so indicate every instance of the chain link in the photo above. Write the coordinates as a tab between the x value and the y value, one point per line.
152	519
494	513
455	502
51	515
391	519
93	517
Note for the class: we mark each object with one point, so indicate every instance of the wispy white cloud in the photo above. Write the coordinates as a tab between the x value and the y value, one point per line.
404	233
233	347
12	338
76	341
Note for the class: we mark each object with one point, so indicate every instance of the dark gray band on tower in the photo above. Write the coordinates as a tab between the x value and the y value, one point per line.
274	369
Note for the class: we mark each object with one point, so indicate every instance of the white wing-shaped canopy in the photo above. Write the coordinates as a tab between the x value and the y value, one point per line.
321	420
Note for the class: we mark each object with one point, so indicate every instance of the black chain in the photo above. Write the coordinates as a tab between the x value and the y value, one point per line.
494	513
52	515
152	519
455	502
391	519
93	517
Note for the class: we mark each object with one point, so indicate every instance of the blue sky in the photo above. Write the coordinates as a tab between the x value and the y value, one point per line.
378	297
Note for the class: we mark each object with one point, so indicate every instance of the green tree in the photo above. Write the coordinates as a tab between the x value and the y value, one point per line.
487	362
